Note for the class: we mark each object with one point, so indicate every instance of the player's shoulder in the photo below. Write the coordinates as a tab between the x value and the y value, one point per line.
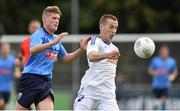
26	39
156	58
94	40
38	32
171	59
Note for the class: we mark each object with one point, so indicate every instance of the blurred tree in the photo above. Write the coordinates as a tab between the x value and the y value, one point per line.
135	16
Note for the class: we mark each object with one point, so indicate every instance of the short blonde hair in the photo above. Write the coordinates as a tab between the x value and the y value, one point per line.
104	18
52	9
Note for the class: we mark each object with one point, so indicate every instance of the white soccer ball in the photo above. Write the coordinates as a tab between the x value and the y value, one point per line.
144	47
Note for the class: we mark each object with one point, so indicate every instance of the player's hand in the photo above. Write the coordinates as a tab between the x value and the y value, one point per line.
171	77
113	55
59	37
84	42
17	62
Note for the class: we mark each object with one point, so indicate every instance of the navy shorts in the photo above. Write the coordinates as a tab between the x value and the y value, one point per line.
158	93
33	88
5	96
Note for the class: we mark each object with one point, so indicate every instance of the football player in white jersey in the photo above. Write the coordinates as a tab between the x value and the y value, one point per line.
97	90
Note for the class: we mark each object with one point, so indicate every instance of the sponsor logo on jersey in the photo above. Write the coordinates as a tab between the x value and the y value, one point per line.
51	55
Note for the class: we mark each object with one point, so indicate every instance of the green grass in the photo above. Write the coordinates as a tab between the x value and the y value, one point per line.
62	101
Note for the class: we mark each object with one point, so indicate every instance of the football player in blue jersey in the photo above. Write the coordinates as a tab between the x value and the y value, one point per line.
7	66
163	69
35	83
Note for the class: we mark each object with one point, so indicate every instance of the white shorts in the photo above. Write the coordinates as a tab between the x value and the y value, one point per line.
87	103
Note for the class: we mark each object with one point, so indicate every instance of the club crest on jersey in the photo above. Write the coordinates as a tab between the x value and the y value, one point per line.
51	55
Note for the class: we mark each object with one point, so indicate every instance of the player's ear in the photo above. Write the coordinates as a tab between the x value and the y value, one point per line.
44	18
100	26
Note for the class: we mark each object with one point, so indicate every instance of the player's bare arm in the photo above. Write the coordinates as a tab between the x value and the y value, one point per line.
152	72
72	56
173	75
95	56
17	70
41	47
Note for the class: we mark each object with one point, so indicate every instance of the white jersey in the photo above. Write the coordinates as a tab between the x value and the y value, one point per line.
99	79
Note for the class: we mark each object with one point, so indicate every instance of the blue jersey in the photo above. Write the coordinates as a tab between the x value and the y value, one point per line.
166	67
42	63
7	65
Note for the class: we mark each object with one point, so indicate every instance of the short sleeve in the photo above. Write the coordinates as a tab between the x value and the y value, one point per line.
152	64
35	39
93	45
174	66
62	51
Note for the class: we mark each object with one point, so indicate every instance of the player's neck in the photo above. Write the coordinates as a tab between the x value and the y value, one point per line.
103	37
48	31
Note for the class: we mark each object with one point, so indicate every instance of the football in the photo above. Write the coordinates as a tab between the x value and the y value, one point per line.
144	47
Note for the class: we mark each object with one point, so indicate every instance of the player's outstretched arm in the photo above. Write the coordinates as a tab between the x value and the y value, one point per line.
72	56
41	47
95	56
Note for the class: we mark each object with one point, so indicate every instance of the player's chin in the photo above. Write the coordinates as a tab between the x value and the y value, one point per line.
54	28
111	36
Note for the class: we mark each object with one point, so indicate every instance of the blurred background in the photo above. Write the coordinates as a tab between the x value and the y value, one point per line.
157	19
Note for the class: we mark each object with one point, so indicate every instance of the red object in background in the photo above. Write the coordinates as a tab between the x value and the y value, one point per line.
25	50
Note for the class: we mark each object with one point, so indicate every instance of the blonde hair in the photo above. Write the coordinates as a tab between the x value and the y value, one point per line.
52	9
104	18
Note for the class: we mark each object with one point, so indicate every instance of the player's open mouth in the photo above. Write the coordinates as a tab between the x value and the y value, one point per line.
112	35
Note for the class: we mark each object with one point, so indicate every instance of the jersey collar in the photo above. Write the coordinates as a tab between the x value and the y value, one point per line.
46	31
106	42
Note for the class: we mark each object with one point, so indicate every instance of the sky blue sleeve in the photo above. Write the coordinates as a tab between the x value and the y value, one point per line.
174	66
152	64
62	51
35	39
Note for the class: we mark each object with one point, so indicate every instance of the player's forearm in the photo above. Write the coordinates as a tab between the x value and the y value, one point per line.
151	72
39	48
72	56
17	72
94	57
17	69
173	75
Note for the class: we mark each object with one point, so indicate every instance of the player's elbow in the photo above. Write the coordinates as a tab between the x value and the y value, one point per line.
66	59
92	59
33	51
